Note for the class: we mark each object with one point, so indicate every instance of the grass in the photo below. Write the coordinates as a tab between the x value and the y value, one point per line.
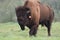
12	31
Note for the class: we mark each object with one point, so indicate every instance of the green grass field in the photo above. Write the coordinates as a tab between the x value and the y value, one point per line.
12	31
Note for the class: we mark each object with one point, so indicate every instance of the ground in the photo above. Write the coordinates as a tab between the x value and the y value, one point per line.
12	31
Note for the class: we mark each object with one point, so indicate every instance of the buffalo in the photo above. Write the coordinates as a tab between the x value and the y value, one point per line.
46	18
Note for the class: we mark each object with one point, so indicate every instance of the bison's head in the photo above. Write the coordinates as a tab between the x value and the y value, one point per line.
22	14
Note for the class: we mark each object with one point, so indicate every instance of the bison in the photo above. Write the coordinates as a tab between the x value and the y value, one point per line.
46	18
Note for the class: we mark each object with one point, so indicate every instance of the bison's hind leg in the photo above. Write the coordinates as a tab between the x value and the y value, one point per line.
48	25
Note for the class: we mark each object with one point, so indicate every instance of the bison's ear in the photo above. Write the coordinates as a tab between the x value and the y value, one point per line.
27	8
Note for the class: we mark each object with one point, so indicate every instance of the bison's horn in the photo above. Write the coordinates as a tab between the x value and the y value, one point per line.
28	11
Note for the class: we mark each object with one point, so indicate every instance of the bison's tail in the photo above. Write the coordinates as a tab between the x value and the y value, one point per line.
53	13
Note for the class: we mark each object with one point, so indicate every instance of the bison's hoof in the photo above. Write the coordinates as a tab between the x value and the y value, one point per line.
31	34
49	35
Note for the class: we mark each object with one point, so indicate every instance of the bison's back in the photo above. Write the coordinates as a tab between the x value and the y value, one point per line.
45	12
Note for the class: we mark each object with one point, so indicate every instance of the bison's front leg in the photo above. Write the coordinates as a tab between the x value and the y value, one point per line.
33	30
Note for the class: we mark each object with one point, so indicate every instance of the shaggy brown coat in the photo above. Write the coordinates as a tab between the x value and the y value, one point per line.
46	18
